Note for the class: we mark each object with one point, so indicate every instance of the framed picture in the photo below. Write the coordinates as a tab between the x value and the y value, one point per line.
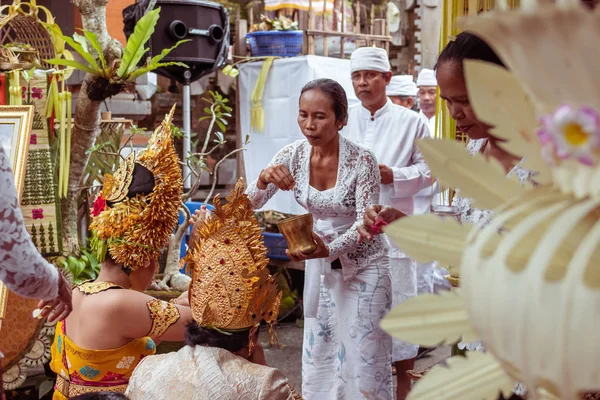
15	130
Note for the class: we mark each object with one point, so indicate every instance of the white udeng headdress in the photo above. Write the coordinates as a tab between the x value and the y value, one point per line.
369	59
426	78
401	85
530	279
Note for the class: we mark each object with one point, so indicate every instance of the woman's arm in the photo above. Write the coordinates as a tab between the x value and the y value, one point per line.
141	315
367	194
276	176
22	268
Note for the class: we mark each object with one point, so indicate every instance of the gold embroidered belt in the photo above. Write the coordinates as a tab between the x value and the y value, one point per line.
69	389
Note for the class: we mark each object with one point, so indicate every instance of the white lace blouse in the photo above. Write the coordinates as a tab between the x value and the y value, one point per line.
479	216
22	268
357	187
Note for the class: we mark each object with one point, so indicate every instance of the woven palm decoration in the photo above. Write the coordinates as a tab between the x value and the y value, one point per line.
530	279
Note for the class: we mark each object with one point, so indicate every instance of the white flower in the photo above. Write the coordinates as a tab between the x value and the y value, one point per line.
574	133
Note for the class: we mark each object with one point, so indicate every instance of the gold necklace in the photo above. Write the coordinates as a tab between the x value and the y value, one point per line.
91	287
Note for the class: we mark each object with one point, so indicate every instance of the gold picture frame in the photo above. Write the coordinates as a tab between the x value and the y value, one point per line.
16	123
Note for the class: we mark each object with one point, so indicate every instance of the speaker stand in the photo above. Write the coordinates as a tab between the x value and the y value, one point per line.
187	128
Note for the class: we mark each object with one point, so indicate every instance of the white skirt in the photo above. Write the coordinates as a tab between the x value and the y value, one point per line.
345	353
404	286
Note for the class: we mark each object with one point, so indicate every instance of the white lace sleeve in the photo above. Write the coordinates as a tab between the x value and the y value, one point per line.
259	197
367	194
409	180
22	268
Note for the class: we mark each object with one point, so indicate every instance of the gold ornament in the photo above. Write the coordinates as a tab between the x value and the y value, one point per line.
231	287
136	229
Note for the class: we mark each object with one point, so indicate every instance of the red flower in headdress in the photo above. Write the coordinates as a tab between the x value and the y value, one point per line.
99	206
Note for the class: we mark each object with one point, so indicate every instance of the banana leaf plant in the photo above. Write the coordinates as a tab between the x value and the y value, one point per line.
112	78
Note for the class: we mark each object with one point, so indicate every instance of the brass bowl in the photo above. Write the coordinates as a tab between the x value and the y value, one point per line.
297	232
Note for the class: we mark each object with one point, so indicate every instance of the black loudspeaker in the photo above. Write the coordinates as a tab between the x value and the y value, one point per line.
204	23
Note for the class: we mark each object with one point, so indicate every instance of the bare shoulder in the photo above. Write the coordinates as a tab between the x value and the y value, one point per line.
118	302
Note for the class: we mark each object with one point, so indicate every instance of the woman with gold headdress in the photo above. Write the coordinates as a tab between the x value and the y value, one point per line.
230	294
114	324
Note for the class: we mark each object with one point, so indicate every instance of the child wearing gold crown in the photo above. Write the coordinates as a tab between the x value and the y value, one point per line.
114	324
230	294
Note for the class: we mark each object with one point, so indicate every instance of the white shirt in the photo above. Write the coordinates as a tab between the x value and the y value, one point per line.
429	121
391	135
429	195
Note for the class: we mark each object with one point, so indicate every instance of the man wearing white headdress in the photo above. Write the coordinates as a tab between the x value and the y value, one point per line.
390	131
427	84
402	90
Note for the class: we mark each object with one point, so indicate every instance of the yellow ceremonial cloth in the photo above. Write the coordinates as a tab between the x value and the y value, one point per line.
81	370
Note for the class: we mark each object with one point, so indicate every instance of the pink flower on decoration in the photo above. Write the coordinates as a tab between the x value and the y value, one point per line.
23	91
36	93
33	139
37	213
570	133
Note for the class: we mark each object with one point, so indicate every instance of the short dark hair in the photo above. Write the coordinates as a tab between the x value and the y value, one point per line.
101	396
467	46
336	94
197	335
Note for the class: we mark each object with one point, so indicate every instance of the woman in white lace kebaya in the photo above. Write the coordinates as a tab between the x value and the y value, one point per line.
22	268
347	289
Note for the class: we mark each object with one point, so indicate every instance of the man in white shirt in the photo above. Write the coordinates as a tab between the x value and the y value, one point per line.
402	90
390	131
427	84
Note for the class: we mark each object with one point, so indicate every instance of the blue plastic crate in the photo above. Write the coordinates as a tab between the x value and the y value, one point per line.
193	206
275	43
276	245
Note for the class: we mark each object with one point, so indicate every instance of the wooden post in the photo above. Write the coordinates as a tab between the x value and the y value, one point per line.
311	26
372	20
342	54
241	29
357	19
251	14
325	48
303	26
378	29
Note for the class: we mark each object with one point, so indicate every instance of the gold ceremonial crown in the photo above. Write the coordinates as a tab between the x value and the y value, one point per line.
133	230
231	288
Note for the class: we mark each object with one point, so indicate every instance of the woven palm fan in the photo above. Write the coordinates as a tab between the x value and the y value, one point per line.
24	340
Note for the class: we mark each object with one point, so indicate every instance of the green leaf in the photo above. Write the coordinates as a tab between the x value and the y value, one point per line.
136	44
221	125
72	64
84	54
158	58
204	118
207	110
93	39
141	71
81	40
220	137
